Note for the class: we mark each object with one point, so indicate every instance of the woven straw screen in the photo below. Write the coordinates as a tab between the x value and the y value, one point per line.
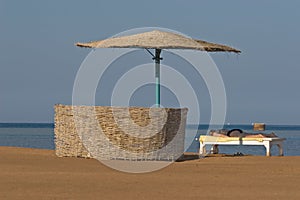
129	133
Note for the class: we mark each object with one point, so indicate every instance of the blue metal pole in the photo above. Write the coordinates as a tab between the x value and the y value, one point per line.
157	76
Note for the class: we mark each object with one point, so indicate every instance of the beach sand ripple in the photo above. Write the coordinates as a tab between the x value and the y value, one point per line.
38	174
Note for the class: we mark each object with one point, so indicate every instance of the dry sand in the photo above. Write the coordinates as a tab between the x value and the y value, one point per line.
39	174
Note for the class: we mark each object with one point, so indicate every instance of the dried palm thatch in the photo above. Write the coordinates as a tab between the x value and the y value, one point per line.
158	40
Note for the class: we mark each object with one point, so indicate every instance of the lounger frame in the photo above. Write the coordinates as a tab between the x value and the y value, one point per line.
216	141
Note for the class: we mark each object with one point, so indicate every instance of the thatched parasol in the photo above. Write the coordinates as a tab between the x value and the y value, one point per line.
158	40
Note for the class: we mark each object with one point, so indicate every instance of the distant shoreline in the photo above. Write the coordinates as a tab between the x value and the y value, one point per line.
193	126
26	125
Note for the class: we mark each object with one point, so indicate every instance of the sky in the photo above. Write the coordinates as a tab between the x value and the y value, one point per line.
39	62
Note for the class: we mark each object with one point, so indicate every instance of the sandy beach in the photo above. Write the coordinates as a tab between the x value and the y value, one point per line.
39	174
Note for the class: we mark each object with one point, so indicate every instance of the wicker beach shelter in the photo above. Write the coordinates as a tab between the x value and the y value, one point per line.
158	40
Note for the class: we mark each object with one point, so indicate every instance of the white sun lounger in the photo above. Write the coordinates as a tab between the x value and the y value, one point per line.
215	141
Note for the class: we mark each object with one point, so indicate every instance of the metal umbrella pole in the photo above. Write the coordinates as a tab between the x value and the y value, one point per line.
157	59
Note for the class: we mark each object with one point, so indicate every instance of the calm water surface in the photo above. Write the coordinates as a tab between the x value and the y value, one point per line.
42	136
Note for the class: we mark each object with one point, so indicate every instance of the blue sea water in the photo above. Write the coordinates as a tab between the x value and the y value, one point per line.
41	135
31	135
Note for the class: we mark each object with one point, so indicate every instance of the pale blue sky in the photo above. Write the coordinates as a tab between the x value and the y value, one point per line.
39	62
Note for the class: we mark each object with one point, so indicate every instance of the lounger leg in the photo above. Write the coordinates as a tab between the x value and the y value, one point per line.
280	149
268	148
214	149
202	149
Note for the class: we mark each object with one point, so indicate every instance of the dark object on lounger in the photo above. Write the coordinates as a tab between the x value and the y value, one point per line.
236	132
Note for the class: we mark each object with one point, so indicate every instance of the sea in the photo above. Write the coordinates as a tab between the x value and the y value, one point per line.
41	135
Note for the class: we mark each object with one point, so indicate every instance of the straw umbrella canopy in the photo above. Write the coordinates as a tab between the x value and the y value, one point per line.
158	40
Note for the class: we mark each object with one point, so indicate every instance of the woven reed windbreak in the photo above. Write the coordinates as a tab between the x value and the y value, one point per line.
130	133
